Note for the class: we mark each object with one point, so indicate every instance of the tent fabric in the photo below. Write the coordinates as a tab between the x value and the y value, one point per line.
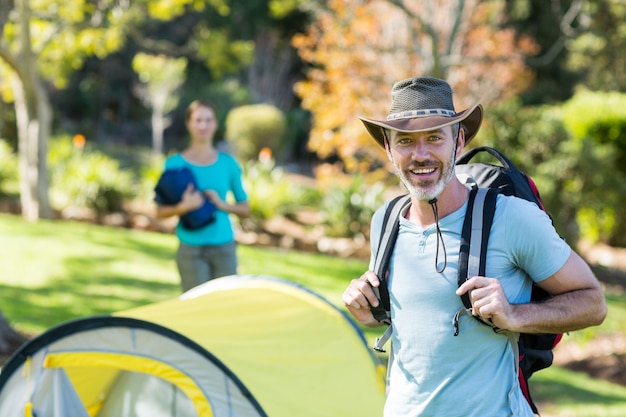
108	392
235	346
297	353
63	396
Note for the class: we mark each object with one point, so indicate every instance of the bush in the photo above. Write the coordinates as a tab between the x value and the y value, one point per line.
574	154
597	122
254	127
271	194
348	203
85	178
536	141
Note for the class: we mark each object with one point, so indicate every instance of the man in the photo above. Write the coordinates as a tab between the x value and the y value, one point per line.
434	373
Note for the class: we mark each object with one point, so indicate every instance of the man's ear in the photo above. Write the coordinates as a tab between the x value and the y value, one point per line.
460	141
387	148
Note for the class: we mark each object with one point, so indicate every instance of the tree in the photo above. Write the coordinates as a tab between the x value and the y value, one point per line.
43	46
553	25
594	51
358	48
33	116
161	76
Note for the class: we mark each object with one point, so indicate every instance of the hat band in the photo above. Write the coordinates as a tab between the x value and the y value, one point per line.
410	114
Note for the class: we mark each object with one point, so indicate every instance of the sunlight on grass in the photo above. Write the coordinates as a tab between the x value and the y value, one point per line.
563	393
328	276
62	270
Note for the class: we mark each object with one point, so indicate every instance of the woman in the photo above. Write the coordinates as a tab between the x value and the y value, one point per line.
209	251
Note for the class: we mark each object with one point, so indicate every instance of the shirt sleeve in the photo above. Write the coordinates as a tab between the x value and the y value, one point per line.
239	193
538	248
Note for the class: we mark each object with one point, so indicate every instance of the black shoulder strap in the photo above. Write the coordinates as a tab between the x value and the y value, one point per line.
387	241
481	208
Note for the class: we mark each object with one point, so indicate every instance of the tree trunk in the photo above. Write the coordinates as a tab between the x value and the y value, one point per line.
271	76
158	122
34	120
44	117
26	155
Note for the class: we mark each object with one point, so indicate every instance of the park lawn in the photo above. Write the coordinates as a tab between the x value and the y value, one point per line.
54	271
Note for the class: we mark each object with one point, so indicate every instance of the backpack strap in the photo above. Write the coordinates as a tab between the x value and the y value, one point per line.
387	241
481	208
388	235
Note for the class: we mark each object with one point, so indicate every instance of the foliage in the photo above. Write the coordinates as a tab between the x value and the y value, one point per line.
601	34
355	49
348	203
86	178
600	116
597	122
552	25
8	169
254	127
270	193
160	76
581	183
150	169
64	34
535	140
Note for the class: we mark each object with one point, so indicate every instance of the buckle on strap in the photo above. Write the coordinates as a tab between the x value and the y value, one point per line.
457	316
380	341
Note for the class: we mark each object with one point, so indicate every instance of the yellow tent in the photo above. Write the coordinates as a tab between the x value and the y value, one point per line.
235	346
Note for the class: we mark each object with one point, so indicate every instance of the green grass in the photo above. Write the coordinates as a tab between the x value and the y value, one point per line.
563	393
51	272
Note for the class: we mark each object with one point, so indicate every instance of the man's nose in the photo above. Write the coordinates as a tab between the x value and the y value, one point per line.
420	151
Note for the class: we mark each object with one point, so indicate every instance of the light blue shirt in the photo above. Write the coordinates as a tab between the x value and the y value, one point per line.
223	176
435	373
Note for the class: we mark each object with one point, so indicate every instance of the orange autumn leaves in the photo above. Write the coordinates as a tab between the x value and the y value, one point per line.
357	49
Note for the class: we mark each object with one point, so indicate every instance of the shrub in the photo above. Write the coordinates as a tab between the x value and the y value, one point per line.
574	154
597	122
253	127
348	203
86	178
536	141
270	193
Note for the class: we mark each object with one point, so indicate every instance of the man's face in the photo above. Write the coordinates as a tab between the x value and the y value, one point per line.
424	161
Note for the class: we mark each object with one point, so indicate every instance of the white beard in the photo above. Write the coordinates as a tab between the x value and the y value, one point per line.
427	192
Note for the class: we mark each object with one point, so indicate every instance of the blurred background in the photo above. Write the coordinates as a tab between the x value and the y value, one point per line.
93	93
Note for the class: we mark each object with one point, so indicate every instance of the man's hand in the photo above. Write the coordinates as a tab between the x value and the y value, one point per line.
489	301
359	296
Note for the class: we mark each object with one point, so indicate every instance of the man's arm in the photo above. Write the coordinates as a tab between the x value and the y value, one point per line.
577	301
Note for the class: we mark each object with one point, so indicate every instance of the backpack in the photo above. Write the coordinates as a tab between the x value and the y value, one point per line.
534	351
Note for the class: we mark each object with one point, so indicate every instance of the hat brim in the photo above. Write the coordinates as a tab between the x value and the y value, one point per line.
471	118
